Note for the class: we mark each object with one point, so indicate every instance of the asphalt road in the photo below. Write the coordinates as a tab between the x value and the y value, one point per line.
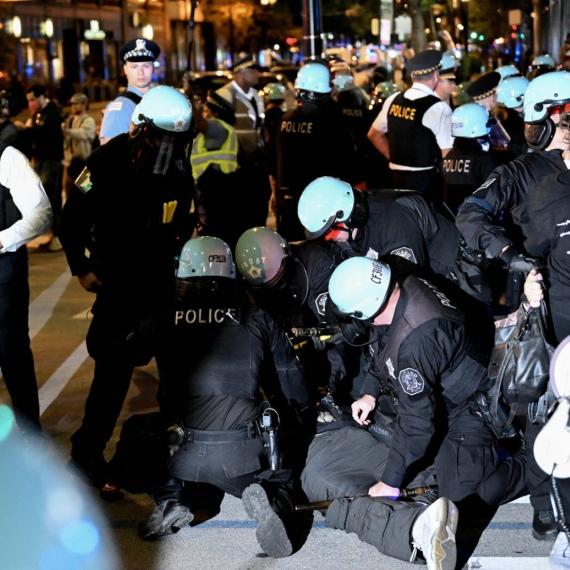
58	324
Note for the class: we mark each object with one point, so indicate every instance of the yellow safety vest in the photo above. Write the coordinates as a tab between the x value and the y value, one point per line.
225	157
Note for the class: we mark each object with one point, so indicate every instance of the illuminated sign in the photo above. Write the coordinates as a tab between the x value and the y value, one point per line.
94	33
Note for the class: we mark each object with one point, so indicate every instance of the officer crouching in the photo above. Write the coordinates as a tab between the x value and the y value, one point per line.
210	369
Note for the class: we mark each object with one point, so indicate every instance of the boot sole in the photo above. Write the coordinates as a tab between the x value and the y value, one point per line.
444	548
271	533
174	521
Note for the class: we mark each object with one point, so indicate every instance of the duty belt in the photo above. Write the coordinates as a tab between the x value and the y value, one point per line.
224	436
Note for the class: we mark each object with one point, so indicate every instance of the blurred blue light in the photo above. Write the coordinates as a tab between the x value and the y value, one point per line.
80	537
6	422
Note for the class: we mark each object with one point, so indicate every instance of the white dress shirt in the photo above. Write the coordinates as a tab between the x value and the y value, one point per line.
17	174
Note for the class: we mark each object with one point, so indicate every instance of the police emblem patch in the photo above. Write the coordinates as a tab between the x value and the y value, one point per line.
412	381
114	106
83	181
321	302
371	254
406	253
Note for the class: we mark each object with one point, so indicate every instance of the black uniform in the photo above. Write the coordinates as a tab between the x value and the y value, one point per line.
269	130
211	368
312	142
434	364
513	123
118	218
464	169
505	189
549	235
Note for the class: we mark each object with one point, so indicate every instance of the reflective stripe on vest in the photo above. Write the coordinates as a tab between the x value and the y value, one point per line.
225	157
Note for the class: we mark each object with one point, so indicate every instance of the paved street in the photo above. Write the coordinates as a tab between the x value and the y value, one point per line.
58	324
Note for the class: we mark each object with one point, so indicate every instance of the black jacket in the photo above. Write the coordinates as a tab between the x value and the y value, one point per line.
47	135
549	214
506	189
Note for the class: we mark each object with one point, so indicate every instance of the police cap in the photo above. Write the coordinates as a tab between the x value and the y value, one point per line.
139	50
246	62
447	70
485	86
221	106
424	62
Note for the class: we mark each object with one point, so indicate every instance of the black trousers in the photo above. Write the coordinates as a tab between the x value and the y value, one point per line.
107	345
346	463
16	360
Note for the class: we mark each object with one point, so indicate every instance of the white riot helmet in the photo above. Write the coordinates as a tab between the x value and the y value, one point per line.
314	78
360	287
470	121
206	257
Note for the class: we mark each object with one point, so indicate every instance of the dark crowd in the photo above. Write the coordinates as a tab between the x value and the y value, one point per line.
341	362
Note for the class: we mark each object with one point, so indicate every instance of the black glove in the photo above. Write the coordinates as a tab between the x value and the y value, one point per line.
321	344
517	261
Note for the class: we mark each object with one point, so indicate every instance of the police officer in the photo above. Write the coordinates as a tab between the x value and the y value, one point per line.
312	141
137	56
484	92
508	189
214	161
433	364
510	93
507	71
447	78
241	92
129	208
274	96
540	65
26	215
396	226
210	367
290	282
468	164
413	130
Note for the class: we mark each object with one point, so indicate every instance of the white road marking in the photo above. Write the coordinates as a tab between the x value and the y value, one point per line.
41	308
59	379
512	563
525	499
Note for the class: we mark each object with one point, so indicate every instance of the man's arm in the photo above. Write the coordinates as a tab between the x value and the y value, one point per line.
17	174
85	132
380	141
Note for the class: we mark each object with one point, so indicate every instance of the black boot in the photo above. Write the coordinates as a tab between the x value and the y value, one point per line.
91	465
167	518
544	527
271	533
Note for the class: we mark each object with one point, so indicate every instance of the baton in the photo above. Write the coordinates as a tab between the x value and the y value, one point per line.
404	494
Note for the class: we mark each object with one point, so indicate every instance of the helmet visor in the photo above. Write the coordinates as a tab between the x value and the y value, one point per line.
157	151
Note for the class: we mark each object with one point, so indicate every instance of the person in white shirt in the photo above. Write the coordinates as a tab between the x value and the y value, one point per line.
413	129
25	214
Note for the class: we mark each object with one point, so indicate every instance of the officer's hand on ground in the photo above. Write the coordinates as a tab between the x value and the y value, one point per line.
533	288
362	408
383	490
90	282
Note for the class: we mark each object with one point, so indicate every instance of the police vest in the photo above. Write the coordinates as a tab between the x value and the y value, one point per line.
9	213
410	142
425	303
218	341
225	157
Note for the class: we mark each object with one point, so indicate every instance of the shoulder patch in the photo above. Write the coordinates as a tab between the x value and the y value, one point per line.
321	302
114	106
406	253
412	381
83	181
486	184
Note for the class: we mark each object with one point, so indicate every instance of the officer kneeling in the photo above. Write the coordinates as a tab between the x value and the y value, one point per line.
210	372
432	362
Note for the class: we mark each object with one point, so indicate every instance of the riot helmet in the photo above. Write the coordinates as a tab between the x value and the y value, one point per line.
543	96
459	95
507	71
274	92
360	287
314	81
381	92
470	121
261	256
544	60
511	90
328	201
206	256
343	82
161	135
